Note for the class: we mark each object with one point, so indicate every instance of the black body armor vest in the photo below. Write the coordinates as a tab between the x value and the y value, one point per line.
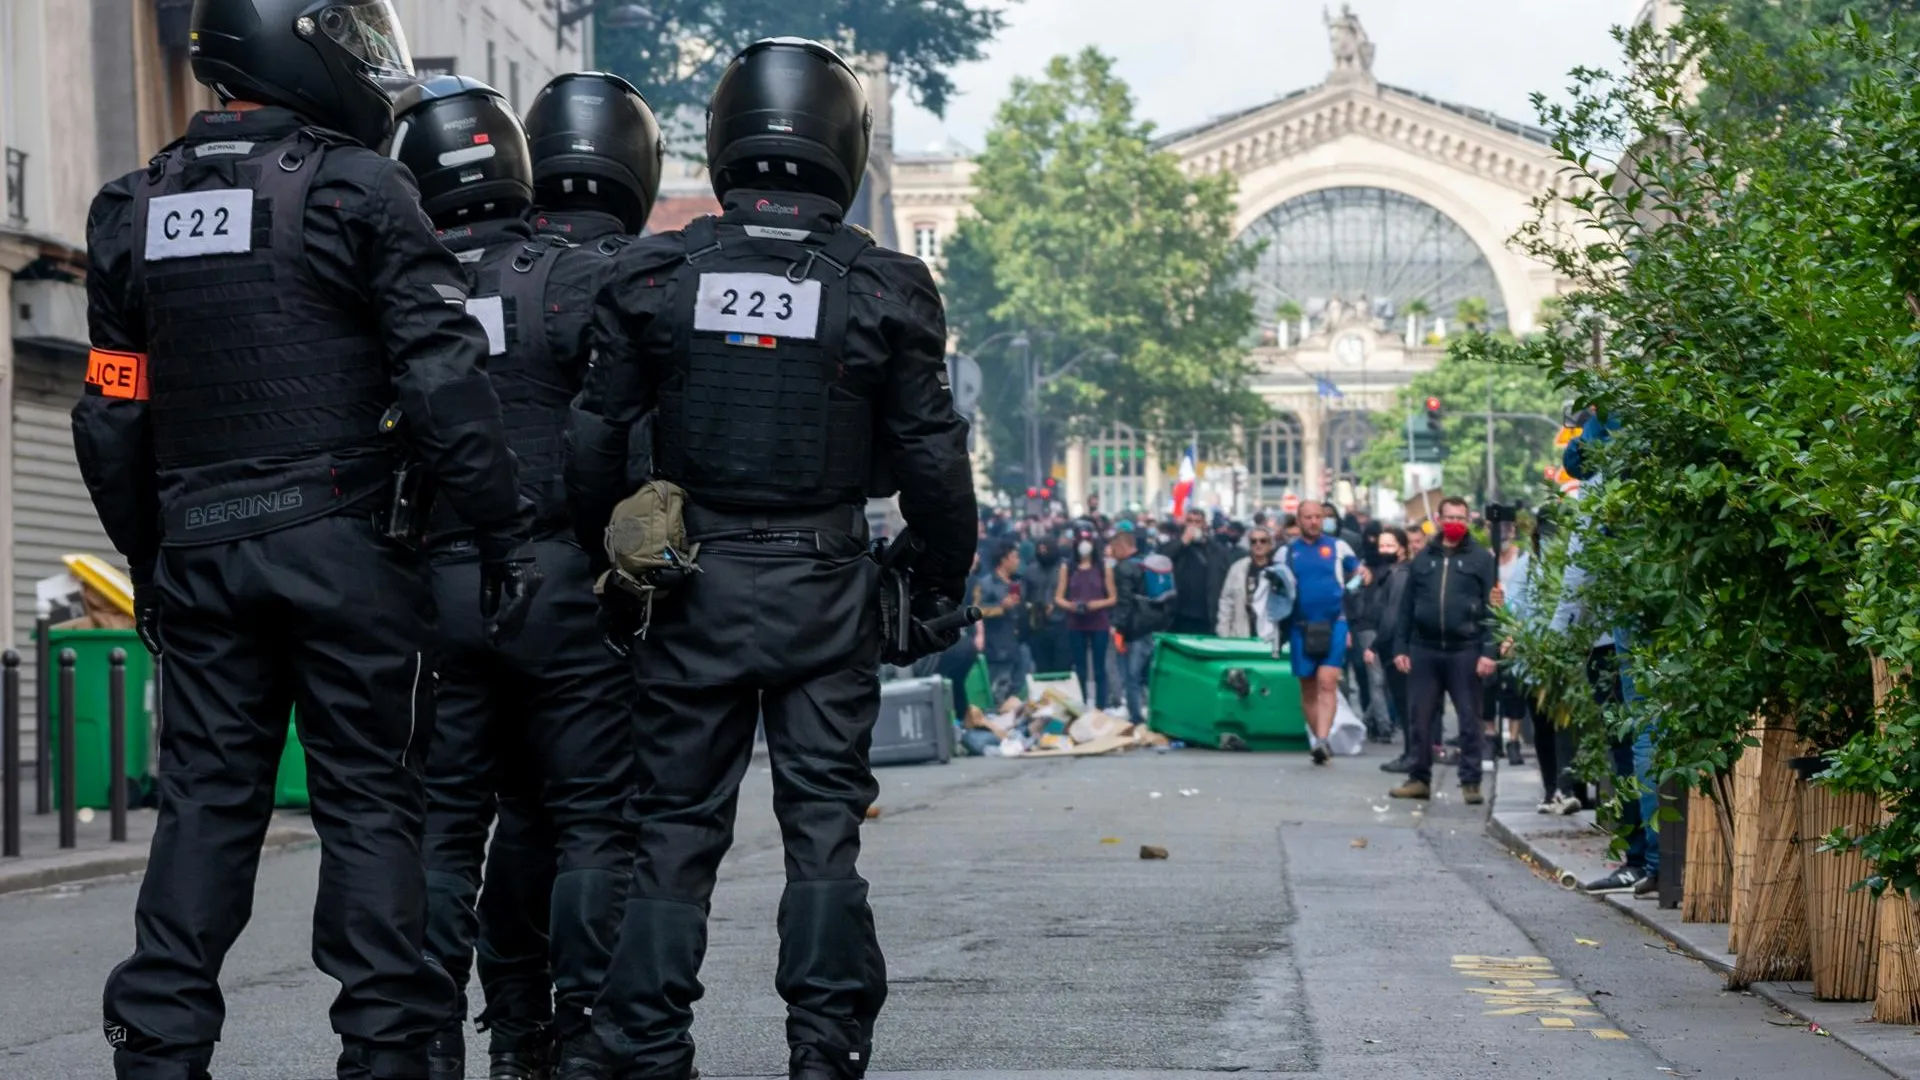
266	393
755	412
509	298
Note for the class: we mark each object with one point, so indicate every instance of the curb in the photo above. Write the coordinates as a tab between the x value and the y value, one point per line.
73	867
1792	1004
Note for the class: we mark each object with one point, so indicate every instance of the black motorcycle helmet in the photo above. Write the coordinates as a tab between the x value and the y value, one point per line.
596	146
789	115
335	62
466	148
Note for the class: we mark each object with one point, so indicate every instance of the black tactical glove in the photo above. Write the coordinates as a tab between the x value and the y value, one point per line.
935	626
510	577
622	617
146	614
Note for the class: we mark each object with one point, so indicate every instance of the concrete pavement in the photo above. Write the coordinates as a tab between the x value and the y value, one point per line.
1303	925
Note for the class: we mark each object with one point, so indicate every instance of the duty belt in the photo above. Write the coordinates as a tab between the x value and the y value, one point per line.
704	523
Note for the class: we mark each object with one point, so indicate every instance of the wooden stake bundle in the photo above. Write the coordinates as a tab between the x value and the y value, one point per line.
1709	881
1843	923
1773	930
1746	834
1897	996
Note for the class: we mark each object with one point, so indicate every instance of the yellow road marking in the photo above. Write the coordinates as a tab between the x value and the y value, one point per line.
1555	1022
1608	1033
1525	986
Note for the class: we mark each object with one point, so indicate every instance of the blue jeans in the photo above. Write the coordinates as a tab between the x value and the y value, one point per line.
1635	759
1135	665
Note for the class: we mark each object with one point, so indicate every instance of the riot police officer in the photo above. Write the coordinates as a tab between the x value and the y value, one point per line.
276	335
782	357
541	722
597	157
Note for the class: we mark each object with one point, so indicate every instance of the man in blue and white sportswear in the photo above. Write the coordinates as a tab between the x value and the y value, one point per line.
1323	567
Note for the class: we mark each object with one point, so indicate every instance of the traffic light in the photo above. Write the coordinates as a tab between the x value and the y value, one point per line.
1036	501
1426	442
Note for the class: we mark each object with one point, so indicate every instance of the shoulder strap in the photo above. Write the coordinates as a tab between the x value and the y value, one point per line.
701	237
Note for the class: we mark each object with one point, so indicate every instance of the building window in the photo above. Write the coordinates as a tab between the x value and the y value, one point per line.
513	82
1276	461
493	78
926	241
1117	468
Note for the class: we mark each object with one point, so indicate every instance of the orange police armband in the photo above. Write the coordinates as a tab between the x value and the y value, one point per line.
118	374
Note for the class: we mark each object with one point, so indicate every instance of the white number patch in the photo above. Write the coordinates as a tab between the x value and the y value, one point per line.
492	313
200	223
758	304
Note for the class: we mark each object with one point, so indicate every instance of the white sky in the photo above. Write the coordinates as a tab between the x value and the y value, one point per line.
1188	60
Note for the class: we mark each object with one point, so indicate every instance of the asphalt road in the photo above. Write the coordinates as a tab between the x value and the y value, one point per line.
1302	925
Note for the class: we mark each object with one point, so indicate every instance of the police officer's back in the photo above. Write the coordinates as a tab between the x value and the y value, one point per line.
597	159
782	357
275	329
539	724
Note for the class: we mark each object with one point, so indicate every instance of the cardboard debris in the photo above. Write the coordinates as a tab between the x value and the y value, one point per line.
1107	745
872	812
1148	851
1360	843
1094	724
977	718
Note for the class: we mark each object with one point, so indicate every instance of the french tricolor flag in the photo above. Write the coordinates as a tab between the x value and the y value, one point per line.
1183	489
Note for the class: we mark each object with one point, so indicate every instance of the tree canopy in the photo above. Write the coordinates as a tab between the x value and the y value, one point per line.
675	55
1522	447
1118	267
1800	76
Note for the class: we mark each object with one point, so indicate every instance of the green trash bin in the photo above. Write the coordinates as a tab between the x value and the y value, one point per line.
92	709
1201	688
979	687
290	787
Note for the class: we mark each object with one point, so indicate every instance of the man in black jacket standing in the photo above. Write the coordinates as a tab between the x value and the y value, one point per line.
1195	577
1441	642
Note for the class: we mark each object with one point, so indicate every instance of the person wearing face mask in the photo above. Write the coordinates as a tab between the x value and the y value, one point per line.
1085	592
1442	643
1046	624
1382	558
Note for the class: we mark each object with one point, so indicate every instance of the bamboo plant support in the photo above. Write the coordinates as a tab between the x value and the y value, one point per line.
1843	922
1709	882
1746	834
1897	991
1773	932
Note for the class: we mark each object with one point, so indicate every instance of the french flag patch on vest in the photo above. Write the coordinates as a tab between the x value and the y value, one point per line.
753	341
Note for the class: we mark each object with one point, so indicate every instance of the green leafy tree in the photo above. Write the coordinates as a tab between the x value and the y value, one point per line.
1742	307
1522	448
1783	34
677	52
1118	267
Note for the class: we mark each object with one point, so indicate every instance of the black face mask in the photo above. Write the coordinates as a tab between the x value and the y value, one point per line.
1376	559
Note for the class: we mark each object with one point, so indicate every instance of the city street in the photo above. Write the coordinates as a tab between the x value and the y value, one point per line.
1301	925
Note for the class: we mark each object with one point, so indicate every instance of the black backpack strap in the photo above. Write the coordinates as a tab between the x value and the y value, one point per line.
701	237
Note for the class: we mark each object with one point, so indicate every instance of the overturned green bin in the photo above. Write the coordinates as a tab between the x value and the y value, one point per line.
290	786
1202	688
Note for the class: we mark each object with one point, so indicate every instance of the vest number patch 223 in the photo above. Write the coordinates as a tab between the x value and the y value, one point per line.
200	223
758	304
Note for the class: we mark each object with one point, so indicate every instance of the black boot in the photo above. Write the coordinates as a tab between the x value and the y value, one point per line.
1513	752
1403	763
521	1051
447	1054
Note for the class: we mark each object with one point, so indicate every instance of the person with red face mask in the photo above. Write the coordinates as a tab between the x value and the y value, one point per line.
1443	644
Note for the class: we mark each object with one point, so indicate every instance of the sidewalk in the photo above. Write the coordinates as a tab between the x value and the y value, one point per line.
1573	849
42	862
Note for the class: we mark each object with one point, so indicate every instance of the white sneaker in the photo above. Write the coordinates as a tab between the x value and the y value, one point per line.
1545	807
1566	804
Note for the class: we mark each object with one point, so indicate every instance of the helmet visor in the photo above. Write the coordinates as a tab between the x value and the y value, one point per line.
371	33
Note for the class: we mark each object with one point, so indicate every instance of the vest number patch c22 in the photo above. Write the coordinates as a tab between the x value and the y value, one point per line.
200	223
758	304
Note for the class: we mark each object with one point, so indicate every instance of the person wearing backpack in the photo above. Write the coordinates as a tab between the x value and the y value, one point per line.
1144	599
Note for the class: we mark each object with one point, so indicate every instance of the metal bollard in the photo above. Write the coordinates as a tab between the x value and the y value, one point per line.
117	742
42	719
68	780
10	754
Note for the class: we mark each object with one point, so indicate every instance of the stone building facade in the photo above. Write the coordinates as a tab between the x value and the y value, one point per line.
1386	214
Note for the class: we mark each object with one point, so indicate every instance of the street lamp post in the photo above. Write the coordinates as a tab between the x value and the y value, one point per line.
616	15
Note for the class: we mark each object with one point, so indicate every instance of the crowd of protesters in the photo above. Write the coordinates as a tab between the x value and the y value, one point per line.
1397	620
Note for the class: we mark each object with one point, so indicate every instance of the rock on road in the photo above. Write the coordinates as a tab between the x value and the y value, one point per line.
1026	937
